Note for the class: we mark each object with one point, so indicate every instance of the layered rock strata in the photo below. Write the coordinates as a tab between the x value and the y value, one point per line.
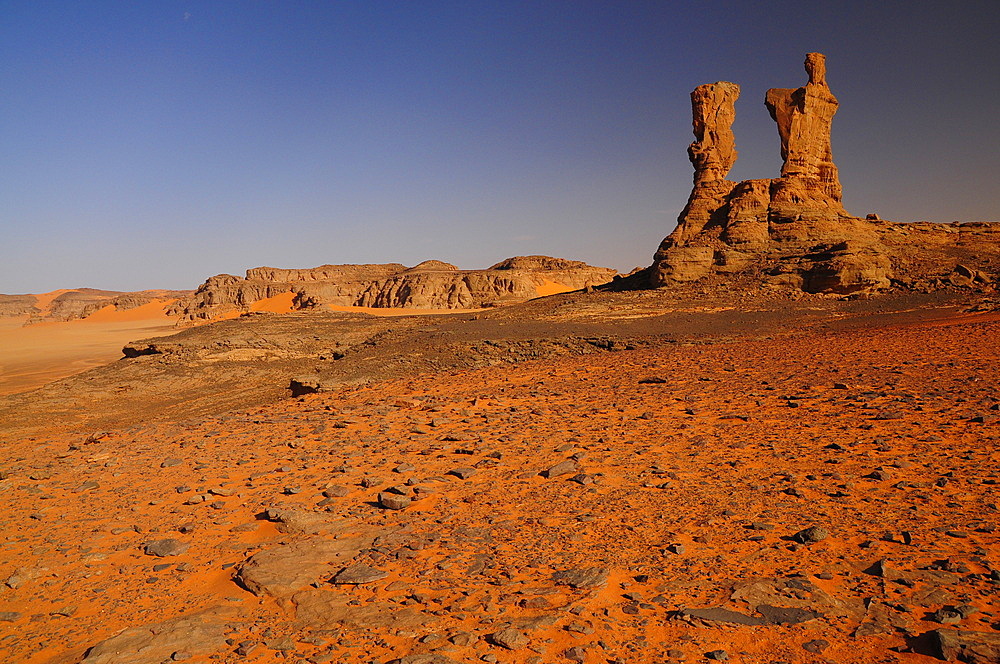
429	285
793	230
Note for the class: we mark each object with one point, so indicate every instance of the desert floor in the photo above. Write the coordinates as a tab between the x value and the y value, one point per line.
643	505
32	355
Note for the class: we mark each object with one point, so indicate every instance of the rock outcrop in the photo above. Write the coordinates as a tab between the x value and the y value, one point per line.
793	230
429	285
79	303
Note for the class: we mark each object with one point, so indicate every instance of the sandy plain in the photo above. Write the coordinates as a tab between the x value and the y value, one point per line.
32	355
630	502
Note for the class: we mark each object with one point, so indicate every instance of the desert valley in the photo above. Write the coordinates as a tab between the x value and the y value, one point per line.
777	442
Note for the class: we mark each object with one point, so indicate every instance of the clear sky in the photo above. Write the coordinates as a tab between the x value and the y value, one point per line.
153	143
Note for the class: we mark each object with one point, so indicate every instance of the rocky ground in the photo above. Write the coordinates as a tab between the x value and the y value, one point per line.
624	478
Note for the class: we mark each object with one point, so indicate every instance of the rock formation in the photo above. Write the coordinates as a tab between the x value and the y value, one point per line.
793	230
78	303
429	285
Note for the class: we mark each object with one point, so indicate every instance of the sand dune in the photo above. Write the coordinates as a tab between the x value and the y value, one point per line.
33	355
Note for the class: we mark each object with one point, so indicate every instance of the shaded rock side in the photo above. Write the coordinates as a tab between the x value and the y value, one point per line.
792	231
429	285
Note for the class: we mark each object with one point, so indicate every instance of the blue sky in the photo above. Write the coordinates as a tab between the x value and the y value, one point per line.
151	144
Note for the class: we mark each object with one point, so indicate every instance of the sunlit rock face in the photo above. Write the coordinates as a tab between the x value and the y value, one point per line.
793	229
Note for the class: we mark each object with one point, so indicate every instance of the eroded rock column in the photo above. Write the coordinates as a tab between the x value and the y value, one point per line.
804	117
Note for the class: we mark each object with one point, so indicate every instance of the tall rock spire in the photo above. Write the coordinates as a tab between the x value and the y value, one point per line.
804	116
793	229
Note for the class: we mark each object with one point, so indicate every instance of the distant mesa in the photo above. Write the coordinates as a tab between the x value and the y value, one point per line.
429	285
792	230
77	303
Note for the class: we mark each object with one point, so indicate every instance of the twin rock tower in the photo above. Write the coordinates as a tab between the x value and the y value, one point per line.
793	229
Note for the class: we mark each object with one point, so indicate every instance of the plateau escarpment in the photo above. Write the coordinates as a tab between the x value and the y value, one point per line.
429	285
793	230
77	303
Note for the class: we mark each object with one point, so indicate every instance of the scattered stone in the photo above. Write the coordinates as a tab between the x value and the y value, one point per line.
392	501
462	473
562	468
172	461
510	638
717	655
816	645
166	547
9	616
811	535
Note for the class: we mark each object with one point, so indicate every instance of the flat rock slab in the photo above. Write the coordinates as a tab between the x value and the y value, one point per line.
561	468
358	574
284	570
721	615
166	547
325	609
781	592
196	634
786	615
971	647
587	577
301	521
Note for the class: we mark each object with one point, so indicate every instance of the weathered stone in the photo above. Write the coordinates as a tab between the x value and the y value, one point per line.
793	228
811	535
283	570
429	285
393	501
358	574
299	521
970	647
323	609
509	638
197	634
561	468
166	547
785	615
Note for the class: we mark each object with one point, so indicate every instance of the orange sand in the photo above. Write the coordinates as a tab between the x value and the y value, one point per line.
278	304
551	288
33	355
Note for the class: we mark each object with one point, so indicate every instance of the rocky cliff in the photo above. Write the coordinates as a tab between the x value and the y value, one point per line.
78	303
429	285
793	230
